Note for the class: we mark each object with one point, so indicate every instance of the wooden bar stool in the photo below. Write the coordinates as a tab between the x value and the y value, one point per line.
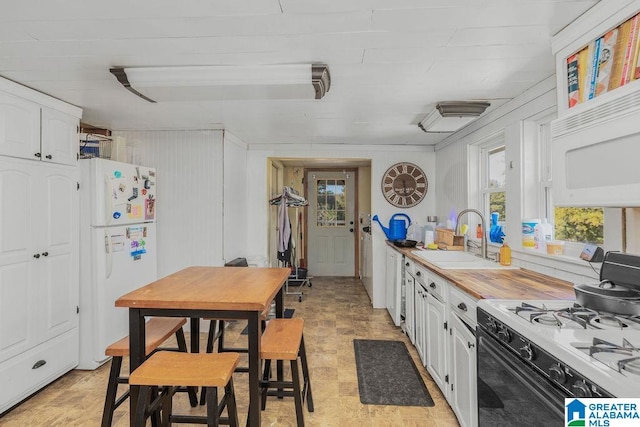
158	330
283	340
170	369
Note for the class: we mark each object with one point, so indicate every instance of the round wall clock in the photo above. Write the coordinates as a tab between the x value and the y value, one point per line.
404	185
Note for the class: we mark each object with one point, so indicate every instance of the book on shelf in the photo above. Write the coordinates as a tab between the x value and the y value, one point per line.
595	62
630	51
635	69
605	61
583	73
573	83
624	30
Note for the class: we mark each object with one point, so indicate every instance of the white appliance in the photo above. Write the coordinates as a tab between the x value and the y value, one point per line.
117	249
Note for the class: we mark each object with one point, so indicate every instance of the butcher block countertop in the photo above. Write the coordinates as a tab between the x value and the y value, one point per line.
519	284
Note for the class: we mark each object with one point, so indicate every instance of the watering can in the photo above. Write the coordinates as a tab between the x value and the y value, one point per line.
397	227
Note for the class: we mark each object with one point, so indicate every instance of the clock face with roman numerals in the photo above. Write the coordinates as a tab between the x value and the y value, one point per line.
404	185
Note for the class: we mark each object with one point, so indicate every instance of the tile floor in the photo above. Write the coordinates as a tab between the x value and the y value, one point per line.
336	310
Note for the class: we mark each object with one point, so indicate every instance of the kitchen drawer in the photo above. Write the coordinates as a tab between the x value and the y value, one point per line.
463	305
409	266
20	380
436	285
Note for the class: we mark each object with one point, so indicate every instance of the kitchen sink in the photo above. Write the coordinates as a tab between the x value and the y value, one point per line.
455	260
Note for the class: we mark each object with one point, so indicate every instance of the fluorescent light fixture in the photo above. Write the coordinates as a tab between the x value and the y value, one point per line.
223	82
452	115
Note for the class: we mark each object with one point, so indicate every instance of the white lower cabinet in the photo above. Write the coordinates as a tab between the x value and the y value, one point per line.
393	284
463	396
410	303
436	328
440	321
421	322
39	288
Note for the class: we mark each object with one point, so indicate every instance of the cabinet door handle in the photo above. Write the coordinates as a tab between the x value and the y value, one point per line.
462	306
418	274
45	253
36	256
432	285
39	364
38	155
406	265
49	156
470	344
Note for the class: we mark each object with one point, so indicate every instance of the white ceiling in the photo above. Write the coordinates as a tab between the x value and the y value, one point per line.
390	61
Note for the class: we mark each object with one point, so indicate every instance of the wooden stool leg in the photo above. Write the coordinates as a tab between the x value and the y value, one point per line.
112	389
212	407
297	392
265	388
182	346
306	388
143	399
232	409
167	406
216	327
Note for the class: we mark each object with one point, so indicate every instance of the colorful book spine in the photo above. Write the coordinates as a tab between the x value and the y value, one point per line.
635	74
618	58
595	61
583	73
630	51
573	83
607	52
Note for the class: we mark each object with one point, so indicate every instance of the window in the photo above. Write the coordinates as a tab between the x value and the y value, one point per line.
488	185
494	191
332	203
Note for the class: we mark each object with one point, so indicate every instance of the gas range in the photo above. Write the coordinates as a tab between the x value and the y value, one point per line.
582	351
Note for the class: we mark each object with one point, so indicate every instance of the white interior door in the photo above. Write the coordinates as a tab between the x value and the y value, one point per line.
331	223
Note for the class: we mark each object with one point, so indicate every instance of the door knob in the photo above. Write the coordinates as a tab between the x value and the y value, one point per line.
48	156
45	253
36	256
351	230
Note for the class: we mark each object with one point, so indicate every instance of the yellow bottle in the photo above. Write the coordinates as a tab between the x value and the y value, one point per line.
505	254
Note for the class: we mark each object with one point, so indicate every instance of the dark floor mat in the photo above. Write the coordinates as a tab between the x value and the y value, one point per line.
288	314
387	374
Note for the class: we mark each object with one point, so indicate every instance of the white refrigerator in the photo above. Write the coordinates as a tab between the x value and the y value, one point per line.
117	249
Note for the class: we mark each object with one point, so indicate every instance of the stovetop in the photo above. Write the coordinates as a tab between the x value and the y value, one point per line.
603	347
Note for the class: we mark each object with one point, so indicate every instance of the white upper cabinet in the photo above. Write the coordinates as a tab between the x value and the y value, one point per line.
37	127
19	127
59	137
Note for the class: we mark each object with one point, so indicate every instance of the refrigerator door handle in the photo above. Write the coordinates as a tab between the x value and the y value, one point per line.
109	254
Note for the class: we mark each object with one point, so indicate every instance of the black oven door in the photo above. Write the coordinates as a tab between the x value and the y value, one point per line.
512	393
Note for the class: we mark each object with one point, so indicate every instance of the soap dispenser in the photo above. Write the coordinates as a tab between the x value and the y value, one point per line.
505	254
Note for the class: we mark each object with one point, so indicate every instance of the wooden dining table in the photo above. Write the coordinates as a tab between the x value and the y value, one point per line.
207	292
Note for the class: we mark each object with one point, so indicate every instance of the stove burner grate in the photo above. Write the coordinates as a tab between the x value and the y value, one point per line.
617	356
574	317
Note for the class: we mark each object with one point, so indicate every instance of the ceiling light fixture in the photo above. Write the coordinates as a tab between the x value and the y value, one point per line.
223	82
450	116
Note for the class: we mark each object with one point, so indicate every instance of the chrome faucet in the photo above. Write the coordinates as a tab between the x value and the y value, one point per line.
483	241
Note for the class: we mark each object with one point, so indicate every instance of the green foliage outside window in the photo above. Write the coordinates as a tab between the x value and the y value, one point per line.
580	224
497	203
